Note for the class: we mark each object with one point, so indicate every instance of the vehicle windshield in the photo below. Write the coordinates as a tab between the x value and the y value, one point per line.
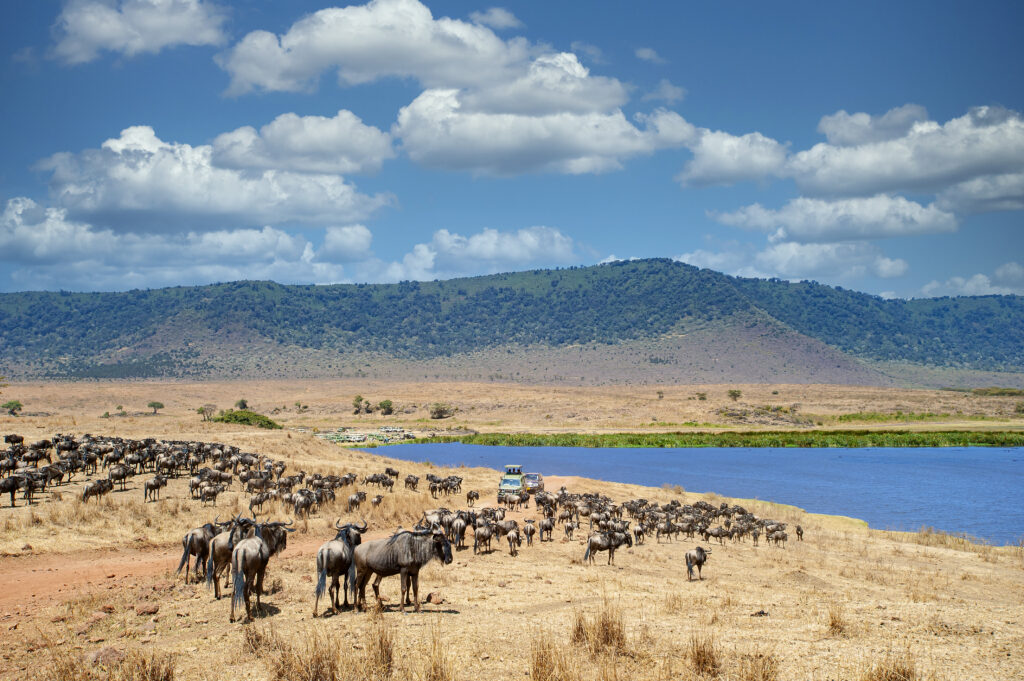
532	476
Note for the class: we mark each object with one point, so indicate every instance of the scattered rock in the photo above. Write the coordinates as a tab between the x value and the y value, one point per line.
435	597
107	608
501	585
146	608
59	618
106	656
111	576
163	586
97	639
307	578
548	581
26	547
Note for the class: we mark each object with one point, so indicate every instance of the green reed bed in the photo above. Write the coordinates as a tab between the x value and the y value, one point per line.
818	438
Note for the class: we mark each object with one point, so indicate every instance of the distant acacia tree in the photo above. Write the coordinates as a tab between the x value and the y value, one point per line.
735	394
441	410
386	407
154	405
207	411
242	404
357	404
12	407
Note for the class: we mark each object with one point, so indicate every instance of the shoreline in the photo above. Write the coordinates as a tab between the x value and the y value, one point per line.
853	439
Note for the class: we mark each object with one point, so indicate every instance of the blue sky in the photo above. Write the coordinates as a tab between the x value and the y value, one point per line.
877	146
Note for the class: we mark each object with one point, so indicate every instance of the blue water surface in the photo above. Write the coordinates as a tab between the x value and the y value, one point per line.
977	491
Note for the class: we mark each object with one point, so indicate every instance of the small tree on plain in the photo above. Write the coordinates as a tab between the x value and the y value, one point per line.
441	410
242	404
154	405
12	407
207	411
386	407
735	394
702	396
357	404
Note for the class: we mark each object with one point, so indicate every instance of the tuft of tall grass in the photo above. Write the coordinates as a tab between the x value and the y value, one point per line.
758	666
380	650
837	623
66	665
438	665
604	631
703	654
893	668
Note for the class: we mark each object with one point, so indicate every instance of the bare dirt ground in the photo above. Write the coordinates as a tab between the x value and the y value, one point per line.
79	577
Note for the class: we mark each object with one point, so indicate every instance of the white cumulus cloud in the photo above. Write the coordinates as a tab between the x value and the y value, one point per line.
722	158
131	27
831	262
346	244
666	92
845	130
341	144
436	131
808	220
496	17
383	38
138	178
930	157
449	254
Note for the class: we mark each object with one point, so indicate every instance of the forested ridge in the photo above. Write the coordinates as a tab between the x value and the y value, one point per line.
608	303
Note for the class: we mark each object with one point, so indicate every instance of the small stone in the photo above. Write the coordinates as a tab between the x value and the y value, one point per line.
501	585
111	576
59	618
435	597
146	608
106	656
163	586
26	547
108	608
307	578
97	639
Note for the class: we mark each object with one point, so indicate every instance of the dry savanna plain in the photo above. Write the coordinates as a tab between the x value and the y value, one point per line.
88	590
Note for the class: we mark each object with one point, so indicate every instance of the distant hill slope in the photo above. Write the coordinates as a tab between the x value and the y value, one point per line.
200	331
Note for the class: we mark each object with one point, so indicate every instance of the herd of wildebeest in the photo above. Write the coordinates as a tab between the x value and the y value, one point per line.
240	547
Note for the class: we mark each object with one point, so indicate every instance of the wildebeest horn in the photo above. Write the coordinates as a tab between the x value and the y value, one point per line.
363	528
337	523
215	519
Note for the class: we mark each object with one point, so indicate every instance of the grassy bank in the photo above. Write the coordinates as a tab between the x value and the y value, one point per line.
817	438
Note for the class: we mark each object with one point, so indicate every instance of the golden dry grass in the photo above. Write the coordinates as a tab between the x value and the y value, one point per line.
953	607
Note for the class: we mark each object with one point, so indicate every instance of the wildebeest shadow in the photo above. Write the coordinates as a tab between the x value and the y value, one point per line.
411	610
266	610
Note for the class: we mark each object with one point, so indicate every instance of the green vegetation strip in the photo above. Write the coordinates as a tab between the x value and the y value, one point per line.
247	418
817	438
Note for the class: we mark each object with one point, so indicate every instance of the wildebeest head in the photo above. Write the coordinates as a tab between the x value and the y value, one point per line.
350	533
442	547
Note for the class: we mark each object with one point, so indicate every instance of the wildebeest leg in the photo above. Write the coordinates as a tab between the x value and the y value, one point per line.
415	577
376	590
404	576
259	589
611	556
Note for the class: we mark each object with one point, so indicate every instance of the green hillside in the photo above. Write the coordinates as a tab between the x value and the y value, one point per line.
169	331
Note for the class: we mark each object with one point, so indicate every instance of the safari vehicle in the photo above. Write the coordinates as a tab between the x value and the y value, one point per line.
534	482
512	481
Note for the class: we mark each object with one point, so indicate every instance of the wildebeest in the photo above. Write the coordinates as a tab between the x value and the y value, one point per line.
799	533
249	561
607	541
546	526
221	547
697	557
335	559
529	529
411	481
482	537
196	542
471	497
404	553
97	488
514	542
151	490
570	527
354	501
12	484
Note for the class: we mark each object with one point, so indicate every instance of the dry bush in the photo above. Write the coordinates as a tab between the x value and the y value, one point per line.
893	668
66	665
439	665
551	661
605	631
703	654
837	624
758	666
380	651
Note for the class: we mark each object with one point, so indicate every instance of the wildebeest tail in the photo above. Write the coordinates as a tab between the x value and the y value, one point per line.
186	542
321	580
350	578
238	593
209	570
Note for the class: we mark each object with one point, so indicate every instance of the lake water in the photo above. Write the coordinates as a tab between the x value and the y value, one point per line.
974	490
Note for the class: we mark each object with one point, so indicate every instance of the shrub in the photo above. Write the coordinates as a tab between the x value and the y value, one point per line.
837	625
242	404
735	394
12	407
246	418
703	654
154	405
386	407
441	410
702	396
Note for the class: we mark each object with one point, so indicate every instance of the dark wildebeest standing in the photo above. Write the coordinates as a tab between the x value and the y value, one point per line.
249	561
697	557
196	542
404	553
335	559
606	541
